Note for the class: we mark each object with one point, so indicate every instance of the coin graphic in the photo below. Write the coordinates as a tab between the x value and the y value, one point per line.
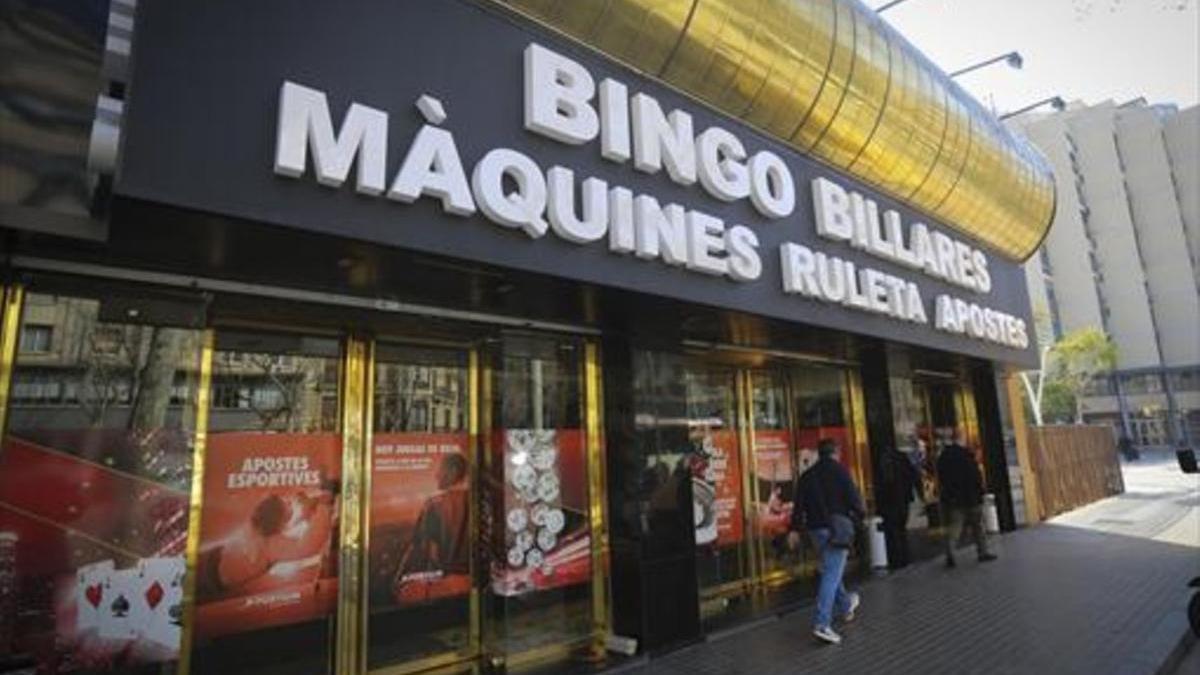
537	515
555	521
534	558
517	519
546	539
543	458
520	440
516	557
524	477
524	541
547	487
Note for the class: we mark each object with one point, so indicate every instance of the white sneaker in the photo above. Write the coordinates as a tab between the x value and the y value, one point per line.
855	601
826	634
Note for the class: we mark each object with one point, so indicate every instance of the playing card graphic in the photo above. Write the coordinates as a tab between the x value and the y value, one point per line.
161	600
118	613
90	585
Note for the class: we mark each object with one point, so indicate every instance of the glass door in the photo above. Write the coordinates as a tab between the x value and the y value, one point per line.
541	500
714	457
266	585
775	474
421	595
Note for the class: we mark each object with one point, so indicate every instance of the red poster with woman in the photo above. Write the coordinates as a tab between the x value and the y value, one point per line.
267	531
775	474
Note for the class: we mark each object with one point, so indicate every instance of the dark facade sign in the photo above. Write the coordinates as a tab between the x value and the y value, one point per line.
446	128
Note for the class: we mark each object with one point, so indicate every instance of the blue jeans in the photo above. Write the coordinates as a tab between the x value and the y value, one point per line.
831	593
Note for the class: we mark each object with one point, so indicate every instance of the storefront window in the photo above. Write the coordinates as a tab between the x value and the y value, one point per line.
95	477
419	578
266	573
536	509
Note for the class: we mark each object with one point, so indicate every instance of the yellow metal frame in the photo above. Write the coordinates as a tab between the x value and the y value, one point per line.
350	645
11	301
1021	429
855	413
597	491
751	564
474	394
196	501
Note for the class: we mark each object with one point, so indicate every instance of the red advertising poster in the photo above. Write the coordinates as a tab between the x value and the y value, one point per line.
717	489
91	556
775	474
420	507
268	531
536	510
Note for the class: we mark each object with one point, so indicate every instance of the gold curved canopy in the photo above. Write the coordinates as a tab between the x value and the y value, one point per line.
831	79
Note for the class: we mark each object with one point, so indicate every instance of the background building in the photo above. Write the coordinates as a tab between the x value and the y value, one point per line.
1124	255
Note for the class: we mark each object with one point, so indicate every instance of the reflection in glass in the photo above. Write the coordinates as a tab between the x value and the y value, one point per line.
95	474
419	578
775	471
267	575
536	506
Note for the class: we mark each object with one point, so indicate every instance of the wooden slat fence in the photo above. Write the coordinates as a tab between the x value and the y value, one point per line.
1074	465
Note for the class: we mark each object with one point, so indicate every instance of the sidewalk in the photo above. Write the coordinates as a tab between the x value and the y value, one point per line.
1063	598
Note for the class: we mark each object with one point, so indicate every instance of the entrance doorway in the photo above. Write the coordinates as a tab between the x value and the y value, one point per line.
741	428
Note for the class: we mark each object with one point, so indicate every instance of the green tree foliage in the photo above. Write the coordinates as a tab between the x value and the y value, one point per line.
1054	392
1078	358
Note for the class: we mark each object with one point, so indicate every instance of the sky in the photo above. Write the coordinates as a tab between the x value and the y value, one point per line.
1088	50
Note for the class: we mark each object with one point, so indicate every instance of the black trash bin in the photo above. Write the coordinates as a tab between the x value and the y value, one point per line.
1187	460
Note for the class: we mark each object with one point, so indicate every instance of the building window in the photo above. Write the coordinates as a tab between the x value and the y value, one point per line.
36	338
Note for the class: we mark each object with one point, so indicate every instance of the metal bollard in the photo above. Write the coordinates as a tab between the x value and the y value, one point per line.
991	517
878	543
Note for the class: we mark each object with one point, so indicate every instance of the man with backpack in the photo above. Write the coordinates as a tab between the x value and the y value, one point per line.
962	498
828	505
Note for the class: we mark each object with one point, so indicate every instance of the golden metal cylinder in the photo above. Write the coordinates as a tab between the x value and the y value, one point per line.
832	79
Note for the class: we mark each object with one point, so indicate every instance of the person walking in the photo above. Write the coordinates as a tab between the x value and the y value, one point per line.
828	504
962	498
899	485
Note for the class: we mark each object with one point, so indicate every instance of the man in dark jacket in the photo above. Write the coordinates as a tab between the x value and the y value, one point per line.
899	483
824	491
962	498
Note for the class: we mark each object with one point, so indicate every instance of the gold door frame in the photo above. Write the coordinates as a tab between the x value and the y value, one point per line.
12	299
350	650
196	502
593	395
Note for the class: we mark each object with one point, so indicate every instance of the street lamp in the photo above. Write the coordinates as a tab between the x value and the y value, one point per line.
1013	59
888	5
1055	102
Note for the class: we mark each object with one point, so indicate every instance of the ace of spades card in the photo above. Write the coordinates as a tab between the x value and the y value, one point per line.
160	600
90	591
118	613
